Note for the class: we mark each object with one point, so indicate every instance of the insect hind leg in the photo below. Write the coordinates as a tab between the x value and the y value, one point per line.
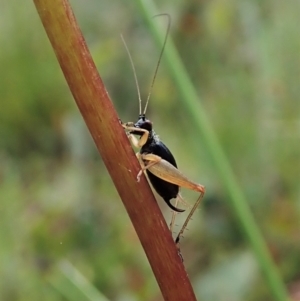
174	213
179	199
188	218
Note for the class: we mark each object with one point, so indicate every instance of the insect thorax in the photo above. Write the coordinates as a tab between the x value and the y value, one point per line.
151	143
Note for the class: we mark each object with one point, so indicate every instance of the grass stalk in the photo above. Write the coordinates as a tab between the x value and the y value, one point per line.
102	121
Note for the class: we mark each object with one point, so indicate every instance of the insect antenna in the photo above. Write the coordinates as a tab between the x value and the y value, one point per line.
159	59
134	73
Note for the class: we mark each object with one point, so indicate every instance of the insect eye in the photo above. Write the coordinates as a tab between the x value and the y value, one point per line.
147	125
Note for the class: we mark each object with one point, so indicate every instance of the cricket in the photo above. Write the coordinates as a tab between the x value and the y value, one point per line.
154	156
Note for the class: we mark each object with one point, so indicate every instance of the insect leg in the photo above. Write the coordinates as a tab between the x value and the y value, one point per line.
174	213
188	218
133	140
137	143
168	172
150	158
181	199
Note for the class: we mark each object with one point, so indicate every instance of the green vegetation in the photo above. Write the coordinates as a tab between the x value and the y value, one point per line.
60	215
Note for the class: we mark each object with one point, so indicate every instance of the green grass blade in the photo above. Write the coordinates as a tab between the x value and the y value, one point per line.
73	285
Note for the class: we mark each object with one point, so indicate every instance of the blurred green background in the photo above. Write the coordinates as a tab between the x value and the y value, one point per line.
64	233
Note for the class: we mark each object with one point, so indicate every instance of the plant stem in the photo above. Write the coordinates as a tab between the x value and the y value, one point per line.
103	123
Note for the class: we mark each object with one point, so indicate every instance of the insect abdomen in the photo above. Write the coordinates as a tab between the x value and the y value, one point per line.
165	189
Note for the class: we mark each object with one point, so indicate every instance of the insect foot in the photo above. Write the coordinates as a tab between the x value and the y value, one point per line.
138	177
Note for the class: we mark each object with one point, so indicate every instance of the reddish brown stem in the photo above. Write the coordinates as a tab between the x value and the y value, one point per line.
101	119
